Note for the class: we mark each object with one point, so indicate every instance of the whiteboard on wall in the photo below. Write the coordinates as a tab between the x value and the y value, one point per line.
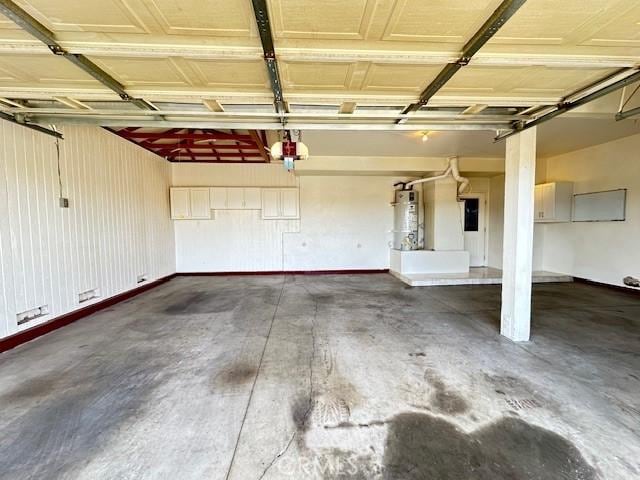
609	206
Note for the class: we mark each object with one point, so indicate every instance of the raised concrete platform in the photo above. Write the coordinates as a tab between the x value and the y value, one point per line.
429	261
475	276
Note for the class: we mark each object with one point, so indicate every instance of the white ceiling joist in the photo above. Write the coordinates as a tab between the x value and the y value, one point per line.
420	57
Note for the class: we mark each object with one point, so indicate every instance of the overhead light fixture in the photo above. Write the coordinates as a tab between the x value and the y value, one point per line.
425	137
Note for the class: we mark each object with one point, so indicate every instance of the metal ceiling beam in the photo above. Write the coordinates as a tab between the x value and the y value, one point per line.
580	100
499	17
628	114
416	125
46	36
37	128
266	37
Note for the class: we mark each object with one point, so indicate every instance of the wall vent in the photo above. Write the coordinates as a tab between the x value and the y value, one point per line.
88	295
29	315
142	278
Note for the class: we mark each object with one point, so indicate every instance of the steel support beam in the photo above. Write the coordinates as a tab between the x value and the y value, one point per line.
568	105
499	17
37	128
46	36
629	113
266	37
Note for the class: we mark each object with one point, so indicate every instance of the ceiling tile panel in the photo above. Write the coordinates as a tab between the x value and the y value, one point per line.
400	78
548	22
143	71
301	75
211	17
451	21
235	75
50	70
620	29
329	19
105	16
527	81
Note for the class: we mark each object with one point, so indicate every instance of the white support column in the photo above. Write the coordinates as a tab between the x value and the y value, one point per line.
520	171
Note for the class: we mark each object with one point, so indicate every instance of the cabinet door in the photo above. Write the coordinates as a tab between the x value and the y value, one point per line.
289	202
270	203
235	198
180	203
252	200
538	202
200	207
218	196
549	201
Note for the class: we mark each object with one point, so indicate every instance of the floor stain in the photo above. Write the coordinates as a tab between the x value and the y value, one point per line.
65	430
238	374
444	400
189	303
421	446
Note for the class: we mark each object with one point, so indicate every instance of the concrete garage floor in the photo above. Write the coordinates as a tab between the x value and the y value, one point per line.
331	377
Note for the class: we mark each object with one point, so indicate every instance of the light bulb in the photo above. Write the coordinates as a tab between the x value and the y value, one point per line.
425	137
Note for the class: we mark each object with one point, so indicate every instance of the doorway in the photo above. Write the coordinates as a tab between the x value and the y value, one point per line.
474	208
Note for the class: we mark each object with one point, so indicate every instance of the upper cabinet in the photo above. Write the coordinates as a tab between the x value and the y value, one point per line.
280	203
190	203
553	202
196	203
235	198
180	203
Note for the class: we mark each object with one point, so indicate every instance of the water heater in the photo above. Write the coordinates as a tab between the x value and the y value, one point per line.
406	211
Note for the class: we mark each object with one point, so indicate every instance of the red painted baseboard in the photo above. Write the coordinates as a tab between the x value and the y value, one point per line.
284	272
55	323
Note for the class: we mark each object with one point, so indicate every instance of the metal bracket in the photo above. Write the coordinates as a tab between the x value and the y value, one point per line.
266	38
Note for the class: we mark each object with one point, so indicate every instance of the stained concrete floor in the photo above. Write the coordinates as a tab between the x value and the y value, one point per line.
328	377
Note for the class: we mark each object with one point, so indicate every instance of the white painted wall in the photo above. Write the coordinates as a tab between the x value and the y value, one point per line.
444	217
600	251
496	225
344	223
117	228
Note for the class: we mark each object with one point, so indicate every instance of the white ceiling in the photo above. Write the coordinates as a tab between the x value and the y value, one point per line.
563	134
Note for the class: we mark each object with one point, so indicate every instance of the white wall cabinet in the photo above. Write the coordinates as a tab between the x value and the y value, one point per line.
197	202
235	198
553	202
252	198
200	208
190	203
280	203
180	203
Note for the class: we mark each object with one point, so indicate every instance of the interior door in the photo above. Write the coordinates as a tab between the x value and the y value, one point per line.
474	229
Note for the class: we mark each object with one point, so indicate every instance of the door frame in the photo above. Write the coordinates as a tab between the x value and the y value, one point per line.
483	201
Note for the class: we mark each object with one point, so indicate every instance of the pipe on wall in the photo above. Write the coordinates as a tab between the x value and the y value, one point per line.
453	170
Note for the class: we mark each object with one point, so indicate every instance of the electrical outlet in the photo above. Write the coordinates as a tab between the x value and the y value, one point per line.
64	202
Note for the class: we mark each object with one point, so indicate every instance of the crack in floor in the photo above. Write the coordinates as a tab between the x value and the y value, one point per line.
255	380
307	412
